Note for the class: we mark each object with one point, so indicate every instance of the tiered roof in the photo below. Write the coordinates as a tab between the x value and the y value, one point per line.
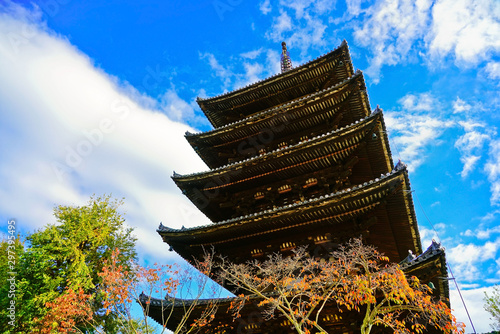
332	218
300	159
213	191
327	150
314	114
313	76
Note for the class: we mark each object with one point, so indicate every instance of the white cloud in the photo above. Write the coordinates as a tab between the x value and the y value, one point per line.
422	102
467	29
467	233
470	145
323	6
272	62
492	169
224	73
301	24
253	73
481	232
398	32
391	29
490	216
415	127
354	7
303	8
299	6
460	106
177	109
474	300
478	135
440	227
237	72
79	133
466	259
493	70
469	162
486	234
265	7
281	24
252	54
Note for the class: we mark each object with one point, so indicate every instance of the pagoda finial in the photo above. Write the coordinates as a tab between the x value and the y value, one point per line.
286	62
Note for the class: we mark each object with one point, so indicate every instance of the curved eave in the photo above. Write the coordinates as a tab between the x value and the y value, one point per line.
172	313
251	319
336	208
269	112
310	112
385	143
270	215
278	89
401	214
245	167
207	189
431	267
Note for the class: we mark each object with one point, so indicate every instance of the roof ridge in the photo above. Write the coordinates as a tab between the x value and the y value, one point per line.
270	110
344	128
411	260
395	171
172	300
295	69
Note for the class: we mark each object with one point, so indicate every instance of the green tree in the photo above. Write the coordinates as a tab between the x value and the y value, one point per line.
493	307
69	255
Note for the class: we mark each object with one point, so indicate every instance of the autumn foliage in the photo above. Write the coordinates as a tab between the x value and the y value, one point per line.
66	311
356	278
125	286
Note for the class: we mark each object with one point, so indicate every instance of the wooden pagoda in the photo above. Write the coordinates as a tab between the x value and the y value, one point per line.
299	159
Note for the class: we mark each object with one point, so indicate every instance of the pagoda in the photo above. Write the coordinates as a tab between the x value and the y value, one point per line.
299	159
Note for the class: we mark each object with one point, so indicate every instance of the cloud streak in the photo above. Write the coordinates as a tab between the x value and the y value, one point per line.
415	127
69	130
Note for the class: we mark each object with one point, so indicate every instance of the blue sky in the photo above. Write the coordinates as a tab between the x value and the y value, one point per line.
95	98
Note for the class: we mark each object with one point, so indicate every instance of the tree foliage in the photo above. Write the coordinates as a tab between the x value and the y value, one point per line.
83	238
121	287
356	278
492	306
80	275
184	289
65	257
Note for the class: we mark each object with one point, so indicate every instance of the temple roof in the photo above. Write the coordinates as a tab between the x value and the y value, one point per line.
297	159
346	211
206	189
431	264
251	320
338	105
310	77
